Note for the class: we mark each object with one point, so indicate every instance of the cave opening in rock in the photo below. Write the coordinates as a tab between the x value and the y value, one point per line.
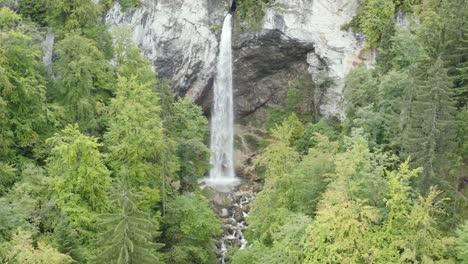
233	6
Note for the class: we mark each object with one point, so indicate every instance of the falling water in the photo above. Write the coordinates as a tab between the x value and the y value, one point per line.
222	121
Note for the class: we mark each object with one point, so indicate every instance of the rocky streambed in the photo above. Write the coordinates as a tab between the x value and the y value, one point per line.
232	204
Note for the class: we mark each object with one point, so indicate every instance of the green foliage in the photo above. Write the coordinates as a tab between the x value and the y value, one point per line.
410	233
288	245
376	20
344	215
462	243
128	232
126	4
189	228
189	128
8	18
252	11
135	139
7	177
360	90
36	10
429	132
22	94
327	127
21	250
80	181
72	15
83	83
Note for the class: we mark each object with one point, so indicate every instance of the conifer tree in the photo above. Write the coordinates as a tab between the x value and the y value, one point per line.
462	243
409	233
21	250
429	130
23	106
189	228
129	232
136	139
72	15
343	220
80	181
83	84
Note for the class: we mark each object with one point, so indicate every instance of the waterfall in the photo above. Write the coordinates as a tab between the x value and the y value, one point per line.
222	117
48	49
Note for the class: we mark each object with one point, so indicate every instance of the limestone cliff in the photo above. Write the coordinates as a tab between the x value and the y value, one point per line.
180	37
296	38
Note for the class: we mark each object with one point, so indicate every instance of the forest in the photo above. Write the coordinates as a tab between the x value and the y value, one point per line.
100	160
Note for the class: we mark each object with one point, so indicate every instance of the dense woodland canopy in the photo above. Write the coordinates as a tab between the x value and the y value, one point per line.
99	161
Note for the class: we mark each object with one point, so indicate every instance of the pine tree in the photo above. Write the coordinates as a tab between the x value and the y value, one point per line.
429	130
129	232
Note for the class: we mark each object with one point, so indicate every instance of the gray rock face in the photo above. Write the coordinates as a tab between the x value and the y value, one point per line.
319	22
263	66
297	37
176	36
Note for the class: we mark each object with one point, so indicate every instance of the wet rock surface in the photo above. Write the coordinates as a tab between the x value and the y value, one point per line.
232	205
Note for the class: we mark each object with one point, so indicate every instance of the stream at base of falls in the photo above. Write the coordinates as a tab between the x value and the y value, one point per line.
233	207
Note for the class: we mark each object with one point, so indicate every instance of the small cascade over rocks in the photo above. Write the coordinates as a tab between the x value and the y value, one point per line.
233	207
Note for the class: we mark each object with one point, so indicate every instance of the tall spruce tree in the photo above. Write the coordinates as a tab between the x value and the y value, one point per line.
128	231
429	130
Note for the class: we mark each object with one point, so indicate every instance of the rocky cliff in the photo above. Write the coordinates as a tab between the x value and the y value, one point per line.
296	38
180	37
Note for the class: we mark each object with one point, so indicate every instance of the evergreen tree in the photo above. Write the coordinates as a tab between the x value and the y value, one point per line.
410	234
376	20
80	181
136	139
129	232
460	69
342	219
21	250
189	228
429	131
189	128
83	84
462	243
360	91
23	106
75	16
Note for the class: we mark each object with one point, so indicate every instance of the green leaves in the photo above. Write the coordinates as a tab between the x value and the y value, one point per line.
8	18
72	15
80	180
376	20
128	231
83	81
190	226
22	250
